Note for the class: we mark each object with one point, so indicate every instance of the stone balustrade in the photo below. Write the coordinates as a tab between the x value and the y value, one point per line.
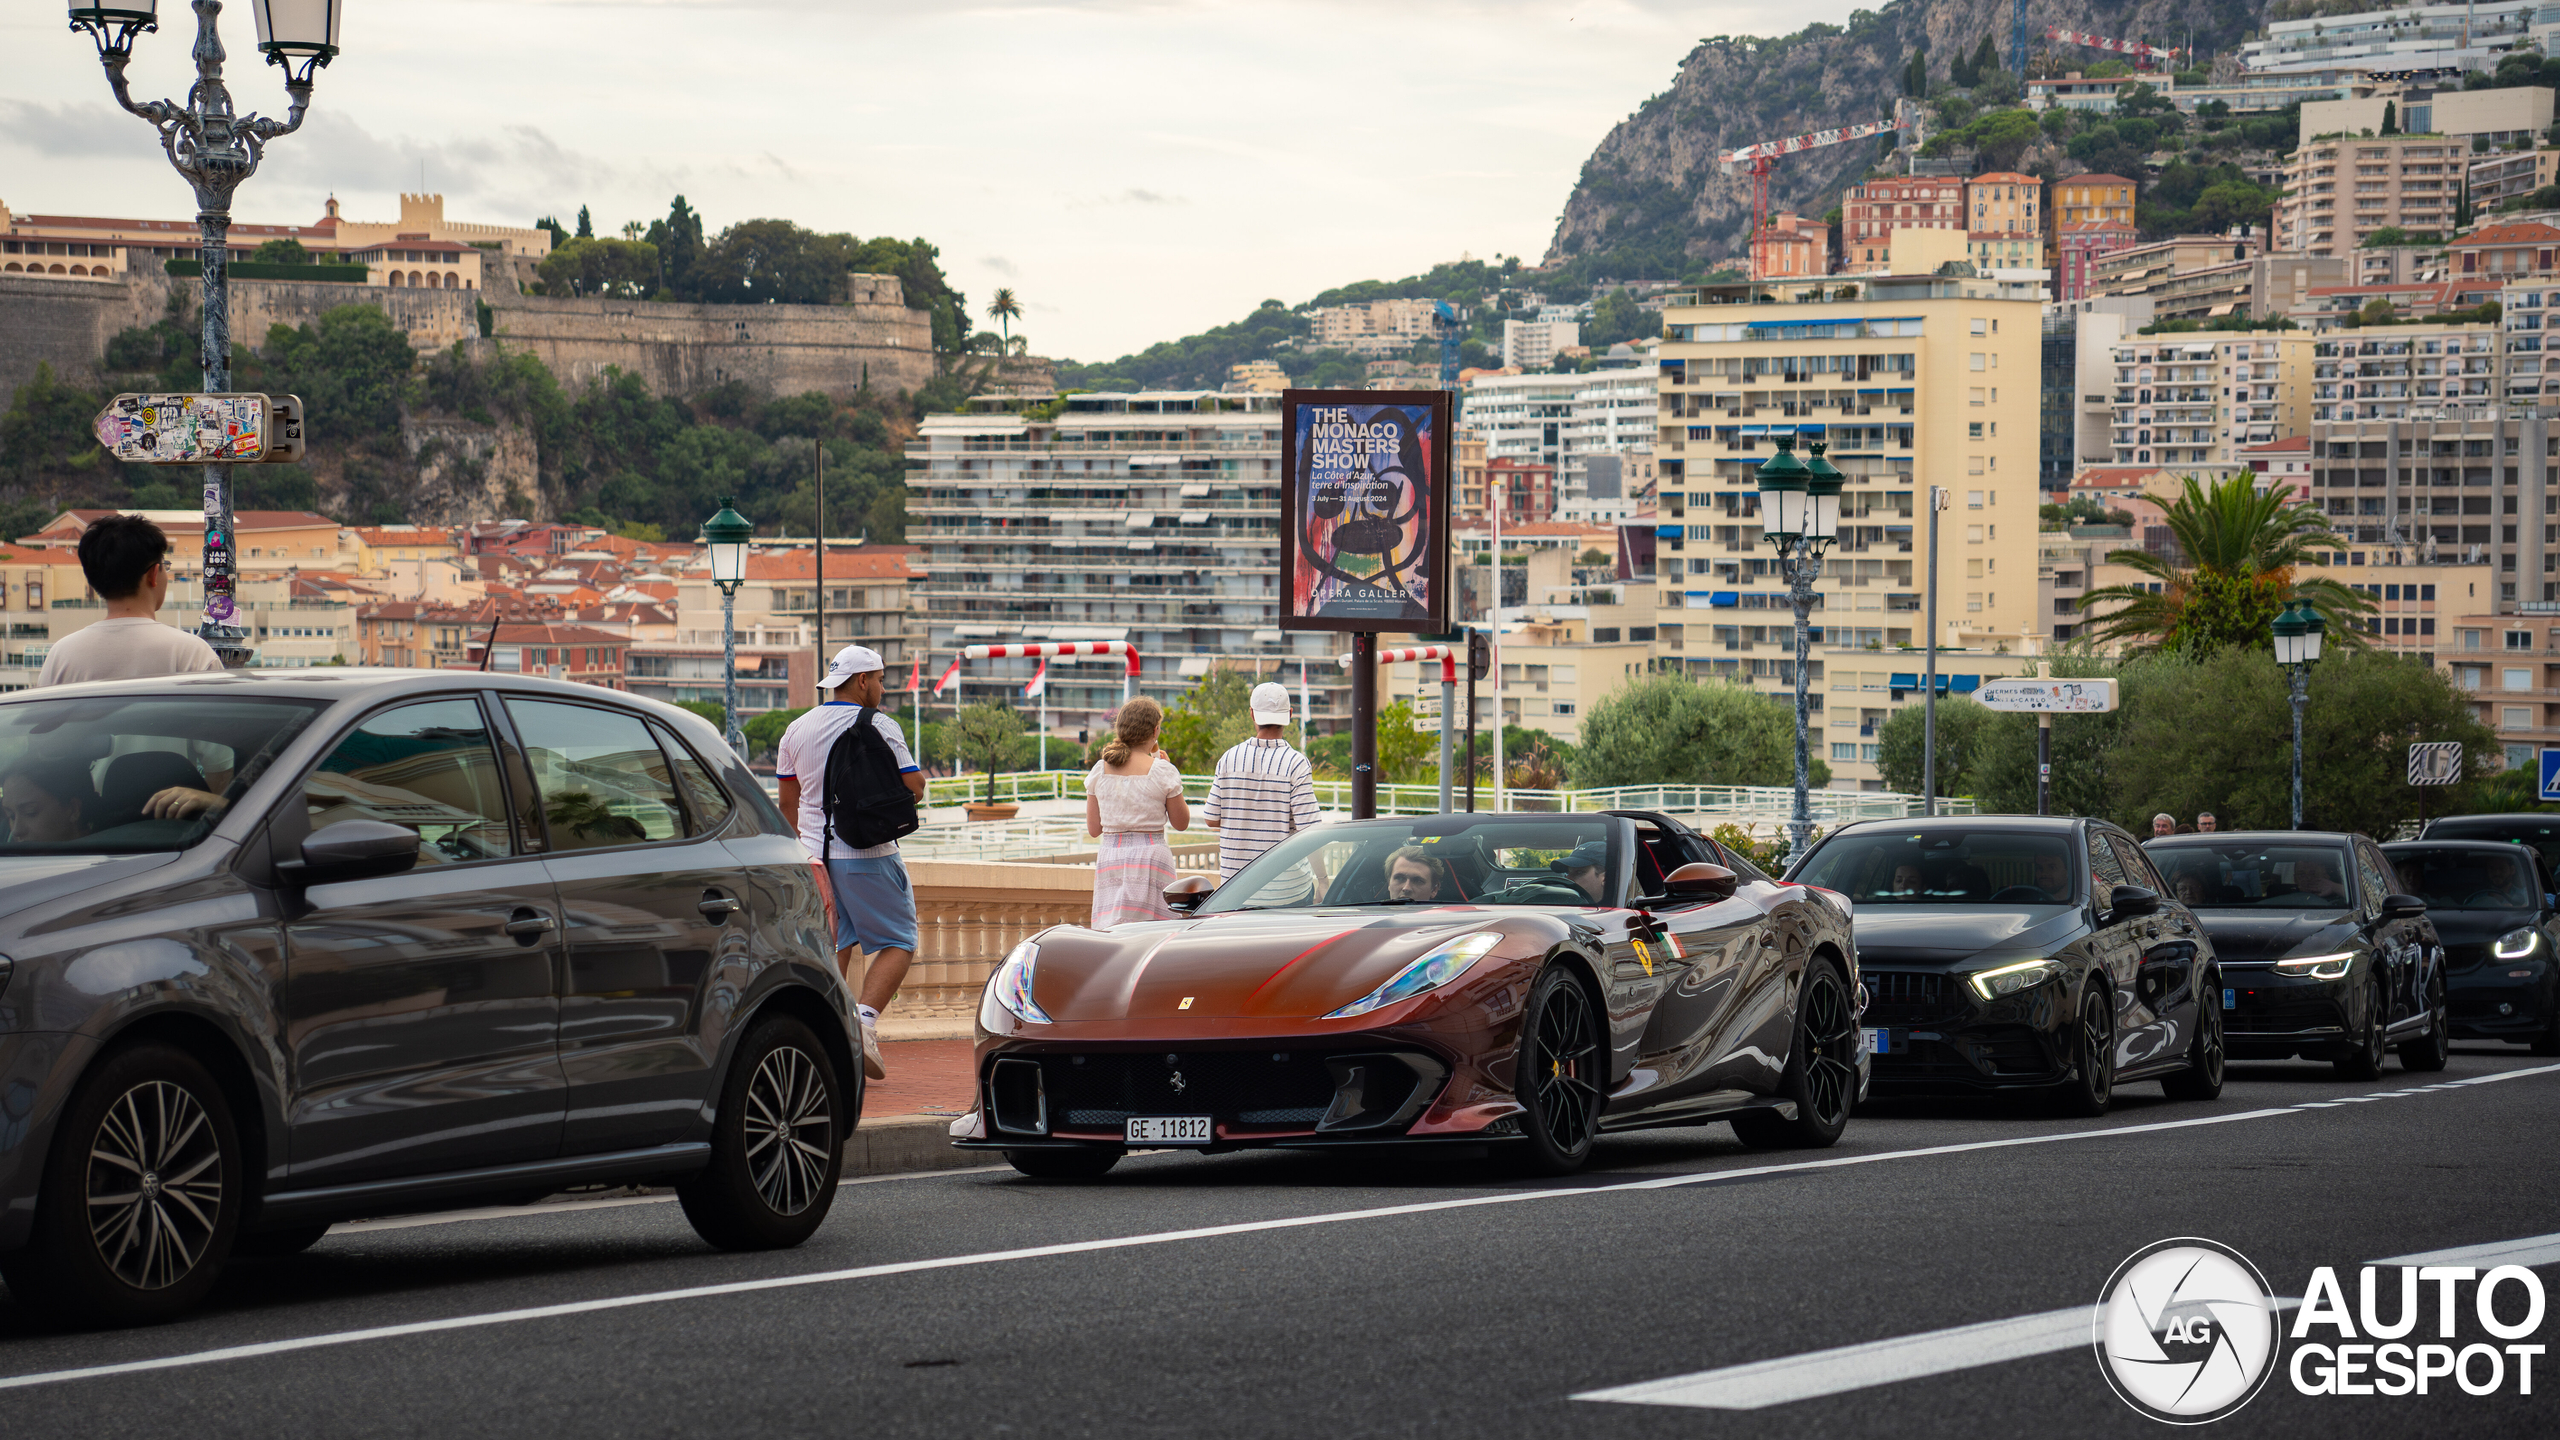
969	915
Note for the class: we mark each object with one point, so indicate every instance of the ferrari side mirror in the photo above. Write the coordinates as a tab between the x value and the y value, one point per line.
1698	880
1185	894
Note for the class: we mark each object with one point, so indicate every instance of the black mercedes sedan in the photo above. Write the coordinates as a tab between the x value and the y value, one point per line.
2324	953
2022	953
280	949
2494	909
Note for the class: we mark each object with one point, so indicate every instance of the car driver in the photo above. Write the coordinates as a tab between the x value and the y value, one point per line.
2314	875
1587	867
1415	874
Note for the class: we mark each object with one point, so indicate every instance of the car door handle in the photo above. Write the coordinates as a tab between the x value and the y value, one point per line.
528	925
718	907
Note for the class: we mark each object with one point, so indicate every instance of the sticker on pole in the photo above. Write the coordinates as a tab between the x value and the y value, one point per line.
2048	697
184	429
2435	762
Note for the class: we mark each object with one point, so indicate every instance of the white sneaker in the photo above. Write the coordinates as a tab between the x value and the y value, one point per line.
871	1066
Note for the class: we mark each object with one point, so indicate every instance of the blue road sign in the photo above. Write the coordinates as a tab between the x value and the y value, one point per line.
2550	774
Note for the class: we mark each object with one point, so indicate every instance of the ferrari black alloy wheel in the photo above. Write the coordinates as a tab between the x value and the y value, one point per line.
777	1147
140	1198
1558	1075
2092	1084
1822	1069
2431	1050
2365	1061
2202	1079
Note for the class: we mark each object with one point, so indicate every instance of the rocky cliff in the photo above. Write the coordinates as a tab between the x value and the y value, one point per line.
1651	201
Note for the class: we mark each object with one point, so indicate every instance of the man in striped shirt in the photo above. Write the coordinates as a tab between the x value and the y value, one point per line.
1263	793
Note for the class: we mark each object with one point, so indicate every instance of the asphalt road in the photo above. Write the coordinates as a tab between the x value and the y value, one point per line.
1344	1297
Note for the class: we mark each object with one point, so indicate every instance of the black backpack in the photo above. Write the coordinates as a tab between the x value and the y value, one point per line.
864	798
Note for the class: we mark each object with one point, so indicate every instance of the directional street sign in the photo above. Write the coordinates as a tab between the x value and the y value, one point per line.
184	429
2048	697
2436	762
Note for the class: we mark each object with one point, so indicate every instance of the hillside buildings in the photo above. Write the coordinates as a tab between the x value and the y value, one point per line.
1872	211
1372	328
2405	38
2003	228
421	250
1562	422
2339	189
1533	344
2199	401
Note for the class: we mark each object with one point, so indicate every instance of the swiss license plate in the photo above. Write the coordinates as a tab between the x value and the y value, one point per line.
1879	1042
1170	1130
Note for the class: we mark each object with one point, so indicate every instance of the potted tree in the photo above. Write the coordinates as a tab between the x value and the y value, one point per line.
988	736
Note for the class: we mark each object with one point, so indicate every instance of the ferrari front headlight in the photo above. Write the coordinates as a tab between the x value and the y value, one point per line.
2005	980
1012	985
2332	966
2514	945
1445	962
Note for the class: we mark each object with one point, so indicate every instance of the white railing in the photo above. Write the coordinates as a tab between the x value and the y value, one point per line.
1755	802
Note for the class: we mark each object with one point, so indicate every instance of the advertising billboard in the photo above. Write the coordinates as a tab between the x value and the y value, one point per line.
1365	495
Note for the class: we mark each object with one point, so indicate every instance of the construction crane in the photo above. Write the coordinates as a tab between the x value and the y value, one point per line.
1444	318
2168	56
1757	159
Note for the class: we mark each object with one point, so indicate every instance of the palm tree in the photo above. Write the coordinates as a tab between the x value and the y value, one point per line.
1004	310
2242	553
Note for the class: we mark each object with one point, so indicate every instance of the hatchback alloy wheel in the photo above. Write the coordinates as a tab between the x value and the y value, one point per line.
788	1125
155	1185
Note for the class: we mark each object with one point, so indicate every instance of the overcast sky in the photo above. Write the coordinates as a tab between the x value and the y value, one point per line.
1137	170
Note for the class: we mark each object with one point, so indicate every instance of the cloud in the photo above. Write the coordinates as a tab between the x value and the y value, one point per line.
1001	266
1134	195
75	129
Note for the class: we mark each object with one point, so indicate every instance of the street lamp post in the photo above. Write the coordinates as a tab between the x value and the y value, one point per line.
2298	632
727	534
1800	514
214	150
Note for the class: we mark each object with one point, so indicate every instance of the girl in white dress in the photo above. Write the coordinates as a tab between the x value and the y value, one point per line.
1129	798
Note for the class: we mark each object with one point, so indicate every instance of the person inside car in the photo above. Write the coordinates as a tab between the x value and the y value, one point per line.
47	801
1414	874
2314	875
1586	868
2191	887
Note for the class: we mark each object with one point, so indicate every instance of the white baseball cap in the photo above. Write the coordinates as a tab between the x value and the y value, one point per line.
850	661
1270	704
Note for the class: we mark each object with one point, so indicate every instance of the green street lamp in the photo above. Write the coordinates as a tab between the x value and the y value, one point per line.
2297	635
726	534
1800	516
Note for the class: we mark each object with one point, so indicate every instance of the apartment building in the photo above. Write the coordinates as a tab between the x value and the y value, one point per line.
1870	213
2508	666
2145	269
1533	344
2078	248
579	654
2500	117
1373	327
2408	37
2339	189
1910	380
2075	91
2281	465
868	589
2004	221
1151	517
1526	491
2203	398
2508	174
1792	245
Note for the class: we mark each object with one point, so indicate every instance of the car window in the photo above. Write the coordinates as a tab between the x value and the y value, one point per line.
429	767
2466	879
2538	832
2137	866
2376	871
76	775
1944	863
2254	877
1438	859
603	780
2104	867
706	804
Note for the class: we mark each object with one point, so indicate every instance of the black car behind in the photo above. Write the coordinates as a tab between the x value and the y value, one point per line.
2022	953
2494	911
2324	954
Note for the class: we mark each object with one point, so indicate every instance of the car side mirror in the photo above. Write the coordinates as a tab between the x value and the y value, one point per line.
1699	880
352	850
2126	901
2402	907
1185	894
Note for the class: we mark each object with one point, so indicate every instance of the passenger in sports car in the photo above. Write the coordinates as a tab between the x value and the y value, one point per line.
1416	875
1587	867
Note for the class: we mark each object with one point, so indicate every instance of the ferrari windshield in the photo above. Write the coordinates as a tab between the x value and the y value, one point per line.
2462	878
2254	877
112	774
1432	860
1946	865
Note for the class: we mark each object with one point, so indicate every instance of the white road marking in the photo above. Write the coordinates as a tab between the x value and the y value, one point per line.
1082	1247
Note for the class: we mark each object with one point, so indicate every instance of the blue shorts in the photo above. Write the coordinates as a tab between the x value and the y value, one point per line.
875	906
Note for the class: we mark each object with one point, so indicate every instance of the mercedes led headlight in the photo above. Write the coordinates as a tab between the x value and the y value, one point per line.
2332	966
2004	980
1445	963
1012	985
2514	945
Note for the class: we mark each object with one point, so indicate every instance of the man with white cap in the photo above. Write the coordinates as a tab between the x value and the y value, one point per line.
1263	793
875	907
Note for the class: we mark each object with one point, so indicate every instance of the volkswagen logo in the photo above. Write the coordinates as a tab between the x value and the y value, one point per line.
2186	1331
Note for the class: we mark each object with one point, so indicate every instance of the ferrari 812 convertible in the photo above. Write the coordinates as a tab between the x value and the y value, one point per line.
1524	982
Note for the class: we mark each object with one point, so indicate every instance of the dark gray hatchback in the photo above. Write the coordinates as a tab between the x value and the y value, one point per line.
281	950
